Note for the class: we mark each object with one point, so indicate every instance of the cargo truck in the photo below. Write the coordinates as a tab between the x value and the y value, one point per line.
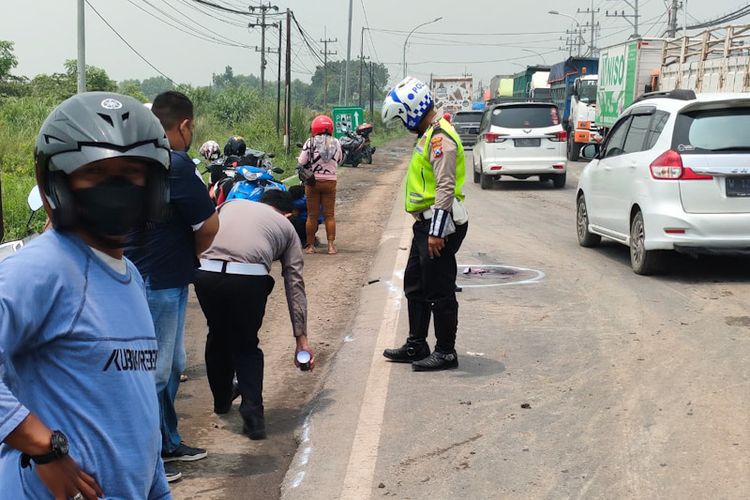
452	94
522	81
626	71
573	85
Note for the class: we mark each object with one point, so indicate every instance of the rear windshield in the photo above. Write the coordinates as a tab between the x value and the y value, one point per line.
525	116
713	131
468	117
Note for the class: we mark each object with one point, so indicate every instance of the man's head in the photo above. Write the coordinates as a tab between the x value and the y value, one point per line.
411	102
297	191
101	162
175	112
281	201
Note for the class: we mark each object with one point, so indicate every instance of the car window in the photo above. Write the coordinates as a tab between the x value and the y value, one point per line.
655	129
525	116
485	124
616	141
713	131
467	117
636	136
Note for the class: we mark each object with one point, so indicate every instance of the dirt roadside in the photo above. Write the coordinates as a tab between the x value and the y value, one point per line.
236	466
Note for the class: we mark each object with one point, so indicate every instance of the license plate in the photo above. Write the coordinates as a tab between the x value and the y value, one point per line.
738	187
527	143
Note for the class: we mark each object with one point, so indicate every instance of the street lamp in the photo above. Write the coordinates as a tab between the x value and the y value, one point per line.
579	36
544	61
410	34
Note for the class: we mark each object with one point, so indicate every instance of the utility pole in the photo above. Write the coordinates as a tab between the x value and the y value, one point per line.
348	54
372	91
575	39
326	53
673	9
592	25
288	85
278	87
81	47
263	8
634	16
362	60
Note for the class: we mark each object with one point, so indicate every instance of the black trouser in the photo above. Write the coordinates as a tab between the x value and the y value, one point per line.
234	306
430	288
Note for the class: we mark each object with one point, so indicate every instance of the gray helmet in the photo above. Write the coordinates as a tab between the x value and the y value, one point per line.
96	126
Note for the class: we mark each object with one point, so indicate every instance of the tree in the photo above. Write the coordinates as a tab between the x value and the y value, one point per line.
96	78
8	60
132	88
336	70
152	87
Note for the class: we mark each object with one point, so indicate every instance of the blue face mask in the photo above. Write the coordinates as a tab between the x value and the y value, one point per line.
112	210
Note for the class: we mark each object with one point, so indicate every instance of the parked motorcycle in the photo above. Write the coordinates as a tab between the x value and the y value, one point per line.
34	200
356	146
253	176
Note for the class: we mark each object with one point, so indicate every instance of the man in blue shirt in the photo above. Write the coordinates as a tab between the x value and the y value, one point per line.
166	255
79	416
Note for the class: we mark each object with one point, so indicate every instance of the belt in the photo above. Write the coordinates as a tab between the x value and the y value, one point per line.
221	266
424	215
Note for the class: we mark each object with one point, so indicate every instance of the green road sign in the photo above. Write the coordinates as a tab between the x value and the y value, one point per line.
346	118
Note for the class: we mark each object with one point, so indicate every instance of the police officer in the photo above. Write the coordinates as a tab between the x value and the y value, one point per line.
434	197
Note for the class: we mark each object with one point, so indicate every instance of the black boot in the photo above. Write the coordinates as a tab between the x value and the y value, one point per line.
409	352
436	361
255	427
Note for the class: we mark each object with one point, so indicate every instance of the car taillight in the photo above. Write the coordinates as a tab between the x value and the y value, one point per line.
493	137
669	166
561	136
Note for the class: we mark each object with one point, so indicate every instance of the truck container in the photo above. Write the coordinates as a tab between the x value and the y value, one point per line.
626	71
573	84
452	94
715	61
522	81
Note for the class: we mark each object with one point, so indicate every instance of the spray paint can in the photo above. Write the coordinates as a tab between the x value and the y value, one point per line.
303	360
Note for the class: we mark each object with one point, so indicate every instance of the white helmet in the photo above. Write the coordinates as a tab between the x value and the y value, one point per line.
409	101
210	150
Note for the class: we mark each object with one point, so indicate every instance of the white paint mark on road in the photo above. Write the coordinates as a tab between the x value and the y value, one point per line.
361	468
537	276
303	457
349	338
469	353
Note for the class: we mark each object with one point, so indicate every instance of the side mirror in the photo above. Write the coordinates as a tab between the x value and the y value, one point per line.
277	170
35	199
590	151
271	155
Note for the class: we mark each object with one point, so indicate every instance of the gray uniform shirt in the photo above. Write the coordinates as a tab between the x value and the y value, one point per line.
255	233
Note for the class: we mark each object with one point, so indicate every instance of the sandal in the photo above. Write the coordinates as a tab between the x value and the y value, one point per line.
309	249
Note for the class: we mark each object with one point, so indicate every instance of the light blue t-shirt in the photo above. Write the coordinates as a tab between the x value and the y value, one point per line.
77	349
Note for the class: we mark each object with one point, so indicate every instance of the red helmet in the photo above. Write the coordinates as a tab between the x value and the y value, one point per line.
321	124
447	117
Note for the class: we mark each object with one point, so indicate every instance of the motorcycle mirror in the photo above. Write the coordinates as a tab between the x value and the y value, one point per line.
278	170
35	199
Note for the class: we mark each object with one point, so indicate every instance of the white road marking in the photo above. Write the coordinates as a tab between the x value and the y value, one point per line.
538	276
361	468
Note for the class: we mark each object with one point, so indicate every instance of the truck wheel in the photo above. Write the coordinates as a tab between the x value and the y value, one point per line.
574	149
559	180
485	181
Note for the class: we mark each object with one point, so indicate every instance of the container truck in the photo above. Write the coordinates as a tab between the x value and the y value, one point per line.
522	81
452	94
573	83
626	71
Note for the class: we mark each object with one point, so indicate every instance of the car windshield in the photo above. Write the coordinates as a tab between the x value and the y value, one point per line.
587	91
525	116
467	117
705	131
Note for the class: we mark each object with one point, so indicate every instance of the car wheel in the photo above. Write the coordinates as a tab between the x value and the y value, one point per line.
559	180
574	149
644	262
585	237
476	175
485	181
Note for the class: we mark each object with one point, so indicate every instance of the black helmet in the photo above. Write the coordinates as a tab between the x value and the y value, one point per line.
235	146
96	126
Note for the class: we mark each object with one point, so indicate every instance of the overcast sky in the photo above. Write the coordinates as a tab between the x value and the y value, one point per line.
44	32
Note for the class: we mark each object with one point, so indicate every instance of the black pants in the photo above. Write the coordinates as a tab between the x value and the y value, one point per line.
430	288
234	306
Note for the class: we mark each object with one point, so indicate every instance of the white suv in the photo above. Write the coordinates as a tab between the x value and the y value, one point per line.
520	140
673	174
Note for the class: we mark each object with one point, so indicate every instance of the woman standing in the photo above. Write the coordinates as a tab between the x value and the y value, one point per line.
321	155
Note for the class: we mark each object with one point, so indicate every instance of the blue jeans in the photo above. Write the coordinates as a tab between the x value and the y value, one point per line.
168	308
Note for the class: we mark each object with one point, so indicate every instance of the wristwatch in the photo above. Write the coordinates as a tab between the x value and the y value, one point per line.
58	449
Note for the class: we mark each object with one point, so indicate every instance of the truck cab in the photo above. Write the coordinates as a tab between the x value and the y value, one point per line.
582	128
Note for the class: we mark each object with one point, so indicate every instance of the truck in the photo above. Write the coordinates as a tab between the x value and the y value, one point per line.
501	86
715	61
523	81
452	93
626	71
573	84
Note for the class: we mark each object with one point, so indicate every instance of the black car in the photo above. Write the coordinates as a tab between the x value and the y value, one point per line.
467	126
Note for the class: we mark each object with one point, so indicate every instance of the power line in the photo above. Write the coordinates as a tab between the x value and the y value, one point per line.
130	46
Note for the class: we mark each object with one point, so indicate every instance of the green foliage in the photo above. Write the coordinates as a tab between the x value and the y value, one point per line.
152	87
8	60
133	89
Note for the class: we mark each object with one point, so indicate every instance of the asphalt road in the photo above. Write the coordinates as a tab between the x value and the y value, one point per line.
579	380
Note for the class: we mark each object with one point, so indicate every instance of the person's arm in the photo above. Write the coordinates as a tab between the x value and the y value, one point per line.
204	236
443	155
304	156
292	264
339	155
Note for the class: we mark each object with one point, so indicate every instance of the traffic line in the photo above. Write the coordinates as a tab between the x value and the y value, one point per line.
360	471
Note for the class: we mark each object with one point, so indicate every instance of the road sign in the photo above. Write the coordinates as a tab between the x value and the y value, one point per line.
347	118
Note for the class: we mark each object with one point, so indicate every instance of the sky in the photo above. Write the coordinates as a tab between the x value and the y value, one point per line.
478	37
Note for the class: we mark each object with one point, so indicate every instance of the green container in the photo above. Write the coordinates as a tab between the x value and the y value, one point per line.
347	118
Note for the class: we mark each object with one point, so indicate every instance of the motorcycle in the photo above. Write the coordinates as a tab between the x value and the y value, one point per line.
356	146
34	200
253	175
